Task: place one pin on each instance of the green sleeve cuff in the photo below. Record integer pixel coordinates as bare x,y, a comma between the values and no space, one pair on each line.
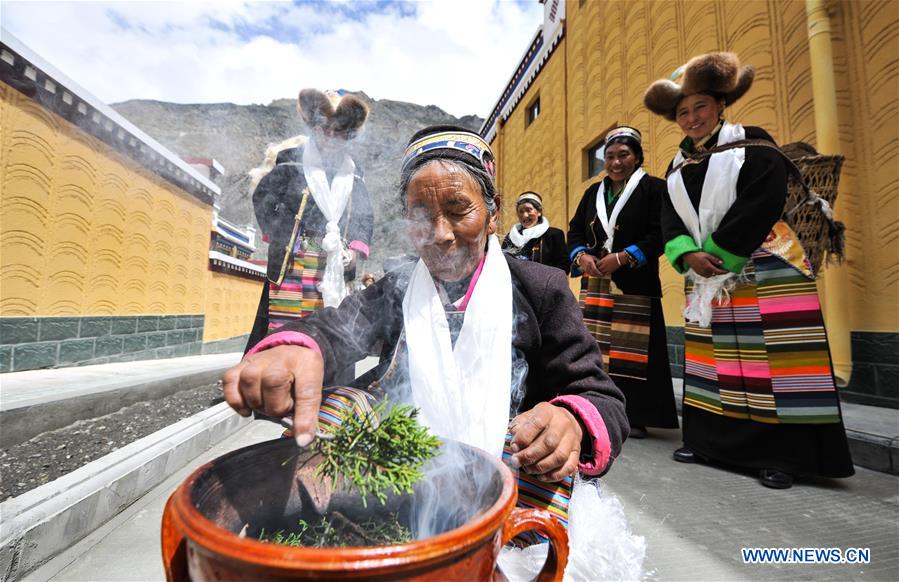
677,248
733,263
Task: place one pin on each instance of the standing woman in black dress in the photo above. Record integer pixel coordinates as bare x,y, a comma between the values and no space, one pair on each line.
533,239
614,242
759,391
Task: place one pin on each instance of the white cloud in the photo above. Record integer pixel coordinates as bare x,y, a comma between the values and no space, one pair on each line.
456,54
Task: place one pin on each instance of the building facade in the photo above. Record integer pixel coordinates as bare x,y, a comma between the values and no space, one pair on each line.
110,249
586,71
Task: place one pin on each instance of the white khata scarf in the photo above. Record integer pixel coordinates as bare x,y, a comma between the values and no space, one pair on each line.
719,191
609,222
463,391
520,236
331,199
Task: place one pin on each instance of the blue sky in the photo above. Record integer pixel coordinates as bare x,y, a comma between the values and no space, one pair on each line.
456,54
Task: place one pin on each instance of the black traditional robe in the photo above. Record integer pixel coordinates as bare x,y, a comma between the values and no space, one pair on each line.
560,355
549,249
796,449
650,402
276,202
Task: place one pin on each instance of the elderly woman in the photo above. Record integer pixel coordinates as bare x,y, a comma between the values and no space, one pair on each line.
614,239
759,391
473,336
533,239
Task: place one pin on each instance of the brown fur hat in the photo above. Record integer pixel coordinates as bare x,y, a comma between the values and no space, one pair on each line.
342,114
715,73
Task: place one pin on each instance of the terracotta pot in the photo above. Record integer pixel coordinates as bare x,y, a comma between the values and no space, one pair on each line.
257,485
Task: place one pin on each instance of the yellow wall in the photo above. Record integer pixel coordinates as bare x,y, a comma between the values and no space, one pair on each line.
230,305
613,50
86,232
538,166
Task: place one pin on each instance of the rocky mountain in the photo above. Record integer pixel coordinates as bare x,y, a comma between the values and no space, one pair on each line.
237,136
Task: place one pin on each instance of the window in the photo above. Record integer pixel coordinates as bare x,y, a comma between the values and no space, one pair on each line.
596,159
594,154
533,111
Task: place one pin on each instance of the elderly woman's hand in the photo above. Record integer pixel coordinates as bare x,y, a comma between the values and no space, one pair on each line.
704,264
546,442
277,381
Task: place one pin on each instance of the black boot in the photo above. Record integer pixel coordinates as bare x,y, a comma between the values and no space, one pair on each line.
775,479
685,455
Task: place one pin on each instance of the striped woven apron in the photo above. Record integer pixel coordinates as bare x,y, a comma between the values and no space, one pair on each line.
765,357
297,296
620,324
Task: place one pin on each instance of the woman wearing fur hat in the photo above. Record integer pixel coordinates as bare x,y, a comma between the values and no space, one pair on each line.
533,239
759,391
312,204
614,240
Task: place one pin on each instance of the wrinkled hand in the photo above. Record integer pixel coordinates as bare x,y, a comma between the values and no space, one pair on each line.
609,264
546,442
276,381
588,264
704,264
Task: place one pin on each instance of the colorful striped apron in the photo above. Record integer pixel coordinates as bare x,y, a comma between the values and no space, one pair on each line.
297,296
765,357
620,324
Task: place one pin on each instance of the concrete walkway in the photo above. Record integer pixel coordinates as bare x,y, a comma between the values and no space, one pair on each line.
695,519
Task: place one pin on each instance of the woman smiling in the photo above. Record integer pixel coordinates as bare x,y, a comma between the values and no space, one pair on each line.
533,239
759,391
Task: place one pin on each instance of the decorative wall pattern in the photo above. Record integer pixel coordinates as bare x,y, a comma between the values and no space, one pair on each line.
86,231
231,303
613,50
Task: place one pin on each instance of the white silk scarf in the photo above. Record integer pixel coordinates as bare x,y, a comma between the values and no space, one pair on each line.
332,200
719,191
520,236
463,391
609,222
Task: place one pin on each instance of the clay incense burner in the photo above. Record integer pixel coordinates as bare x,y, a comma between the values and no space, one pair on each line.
468,512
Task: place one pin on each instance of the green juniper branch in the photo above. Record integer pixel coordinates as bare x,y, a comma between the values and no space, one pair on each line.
383,450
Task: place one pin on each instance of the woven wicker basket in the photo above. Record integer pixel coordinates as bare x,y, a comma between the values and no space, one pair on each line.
804,215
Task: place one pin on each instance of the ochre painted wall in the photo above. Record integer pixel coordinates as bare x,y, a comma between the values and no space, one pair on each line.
84,232
87,232
613,50
231,303
537,166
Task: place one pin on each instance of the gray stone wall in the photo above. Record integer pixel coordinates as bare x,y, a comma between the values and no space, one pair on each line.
676,350
28,343
875,369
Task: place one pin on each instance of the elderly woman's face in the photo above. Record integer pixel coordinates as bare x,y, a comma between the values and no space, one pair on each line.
448,220
528,215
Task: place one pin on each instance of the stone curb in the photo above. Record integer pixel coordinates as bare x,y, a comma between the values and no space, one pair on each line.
45,521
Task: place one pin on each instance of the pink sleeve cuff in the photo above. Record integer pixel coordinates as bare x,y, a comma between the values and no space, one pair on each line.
593,422
285,338
359,247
